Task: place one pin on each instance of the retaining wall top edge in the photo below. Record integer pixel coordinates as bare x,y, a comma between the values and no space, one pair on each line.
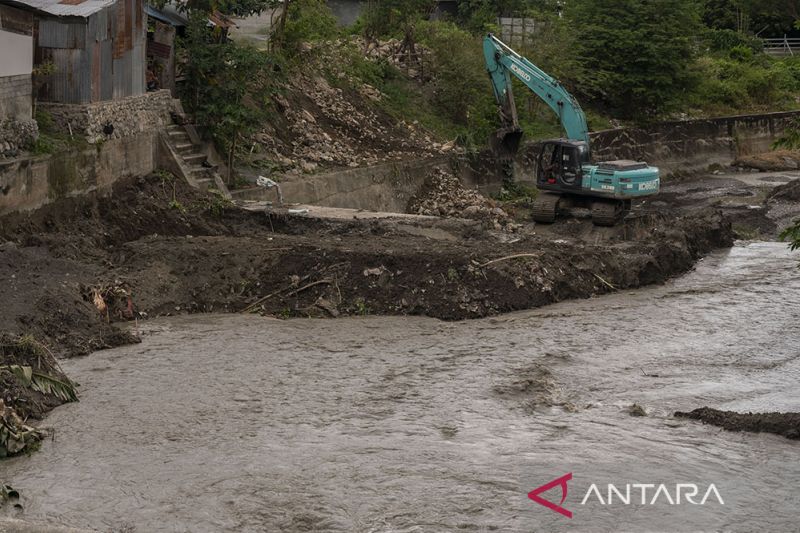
726,118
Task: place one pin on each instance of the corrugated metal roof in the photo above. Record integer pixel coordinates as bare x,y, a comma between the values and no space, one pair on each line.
63,8
168,15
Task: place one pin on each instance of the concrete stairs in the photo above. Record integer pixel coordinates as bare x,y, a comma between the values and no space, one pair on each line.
186,155
191,158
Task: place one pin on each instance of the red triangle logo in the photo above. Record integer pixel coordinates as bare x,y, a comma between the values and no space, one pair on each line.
562,482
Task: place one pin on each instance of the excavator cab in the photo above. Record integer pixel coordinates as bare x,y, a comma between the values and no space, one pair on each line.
560,163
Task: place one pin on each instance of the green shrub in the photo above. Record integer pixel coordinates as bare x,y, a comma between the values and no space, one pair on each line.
461,88
308,21
44,144
45,121
790,138
724,40
741,53
724,85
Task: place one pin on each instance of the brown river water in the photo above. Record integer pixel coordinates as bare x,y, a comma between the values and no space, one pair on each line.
241,423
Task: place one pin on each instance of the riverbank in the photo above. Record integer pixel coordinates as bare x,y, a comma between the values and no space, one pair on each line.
79,271
240,423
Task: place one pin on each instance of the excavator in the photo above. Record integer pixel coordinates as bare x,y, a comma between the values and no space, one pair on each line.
565,175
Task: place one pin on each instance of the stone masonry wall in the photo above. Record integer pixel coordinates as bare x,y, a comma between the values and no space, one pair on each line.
17,127
16,135
124,117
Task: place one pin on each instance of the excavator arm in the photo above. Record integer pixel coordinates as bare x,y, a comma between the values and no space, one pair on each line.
501,63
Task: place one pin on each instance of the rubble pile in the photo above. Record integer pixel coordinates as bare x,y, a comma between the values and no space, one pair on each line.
328,127
777,160
443,195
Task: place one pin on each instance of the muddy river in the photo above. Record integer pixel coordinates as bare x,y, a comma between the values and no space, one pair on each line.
242,423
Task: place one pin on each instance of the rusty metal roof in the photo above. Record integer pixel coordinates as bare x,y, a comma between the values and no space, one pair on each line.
218,19
63,8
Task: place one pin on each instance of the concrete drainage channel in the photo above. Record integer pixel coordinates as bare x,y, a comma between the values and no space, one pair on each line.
386,187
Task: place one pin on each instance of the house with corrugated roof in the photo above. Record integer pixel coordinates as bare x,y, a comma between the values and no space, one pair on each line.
96,47
89,66
83,66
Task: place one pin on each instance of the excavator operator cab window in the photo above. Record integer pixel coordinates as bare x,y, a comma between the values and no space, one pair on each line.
559,164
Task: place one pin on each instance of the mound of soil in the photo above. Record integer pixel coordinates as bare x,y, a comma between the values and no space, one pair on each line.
785,424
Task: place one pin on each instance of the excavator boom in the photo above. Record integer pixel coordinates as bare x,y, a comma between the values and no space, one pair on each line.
502,62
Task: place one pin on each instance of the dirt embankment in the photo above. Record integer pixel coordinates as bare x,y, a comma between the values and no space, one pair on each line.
73,271
785,424
186,259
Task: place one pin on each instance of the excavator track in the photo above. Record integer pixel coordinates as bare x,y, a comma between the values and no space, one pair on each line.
545,207
606,212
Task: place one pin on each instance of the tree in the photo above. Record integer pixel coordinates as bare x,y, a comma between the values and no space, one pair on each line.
387,17
768,18
237,8
634,54
303,21
227,85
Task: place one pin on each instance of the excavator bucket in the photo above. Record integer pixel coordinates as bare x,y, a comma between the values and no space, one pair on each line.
505,141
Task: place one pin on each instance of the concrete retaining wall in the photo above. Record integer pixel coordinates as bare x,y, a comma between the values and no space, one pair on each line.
683,145
384,187
29,183
695,143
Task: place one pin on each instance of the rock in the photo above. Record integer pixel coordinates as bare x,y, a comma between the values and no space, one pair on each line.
306,166
309,117
636,410
327,306
790,163
374,271
471,211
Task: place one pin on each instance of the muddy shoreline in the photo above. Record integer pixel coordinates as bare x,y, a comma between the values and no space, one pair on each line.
155,247
175,260
784,424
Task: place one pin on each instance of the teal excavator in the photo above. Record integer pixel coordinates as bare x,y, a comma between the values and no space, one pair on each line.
565,175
